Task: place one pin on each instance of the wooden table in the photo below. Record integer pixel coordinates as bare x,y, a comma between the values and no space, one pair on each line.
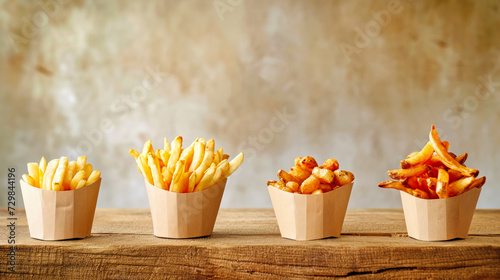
246,243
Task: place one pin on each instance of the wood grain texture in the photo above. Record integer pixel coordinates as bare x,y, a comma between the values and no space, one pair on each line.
246,243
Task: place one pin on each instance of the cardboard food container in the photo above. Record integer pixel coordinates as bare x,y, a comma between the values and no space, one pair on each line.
59,215
184,215
439,219
310,216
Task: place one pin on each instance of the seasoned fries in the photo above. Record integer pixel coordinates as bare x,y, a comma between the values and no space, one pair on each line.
306,177
61,175
446,158
195,168
399,186
400,174
434,172
419,157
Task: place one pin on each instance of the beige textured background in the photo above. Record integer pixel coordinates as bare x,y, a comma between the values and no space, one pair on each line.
274,79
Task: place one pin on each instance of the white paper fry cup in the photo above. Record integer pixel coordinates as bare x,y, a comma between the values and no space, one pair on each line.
184,215
59,215
310,216
439,219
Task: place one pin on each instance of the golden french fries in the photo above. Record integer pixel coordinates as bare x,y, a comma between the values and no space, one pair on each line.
235,163
57,182
220,155
49,174
43,164
207,178
195,168
76,179
306,177
28,179
81,184
81,161
61,174
187,156
142,163
147,148
192,181
135,154
94,176
154,166
88,170
33,172
224,167
207,161
175,153
198,156
434,172
176,179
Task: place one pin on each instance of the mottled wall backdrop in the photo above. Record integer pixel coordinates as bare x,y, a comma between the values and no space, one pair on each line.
361,81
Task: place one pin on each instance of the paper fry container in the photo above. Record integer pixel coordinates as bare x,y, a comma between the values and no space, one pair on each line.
439,219
58,215
184,215
310,216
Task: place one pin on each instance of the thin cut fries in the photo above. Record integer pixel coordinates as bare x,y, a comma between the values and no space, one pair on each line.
195,168
434,172
61,175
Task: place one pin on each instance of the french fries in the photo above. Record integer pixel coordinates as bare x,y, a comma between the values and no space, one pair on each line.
399,186
410,172
154,165
57,182
33,172
434,172
446,158
195,168
442,183
306,177
49,174
419,157
61,174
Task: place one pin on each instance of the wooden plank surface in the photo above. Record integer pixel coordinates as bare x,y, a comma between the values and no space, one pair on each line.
246,243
